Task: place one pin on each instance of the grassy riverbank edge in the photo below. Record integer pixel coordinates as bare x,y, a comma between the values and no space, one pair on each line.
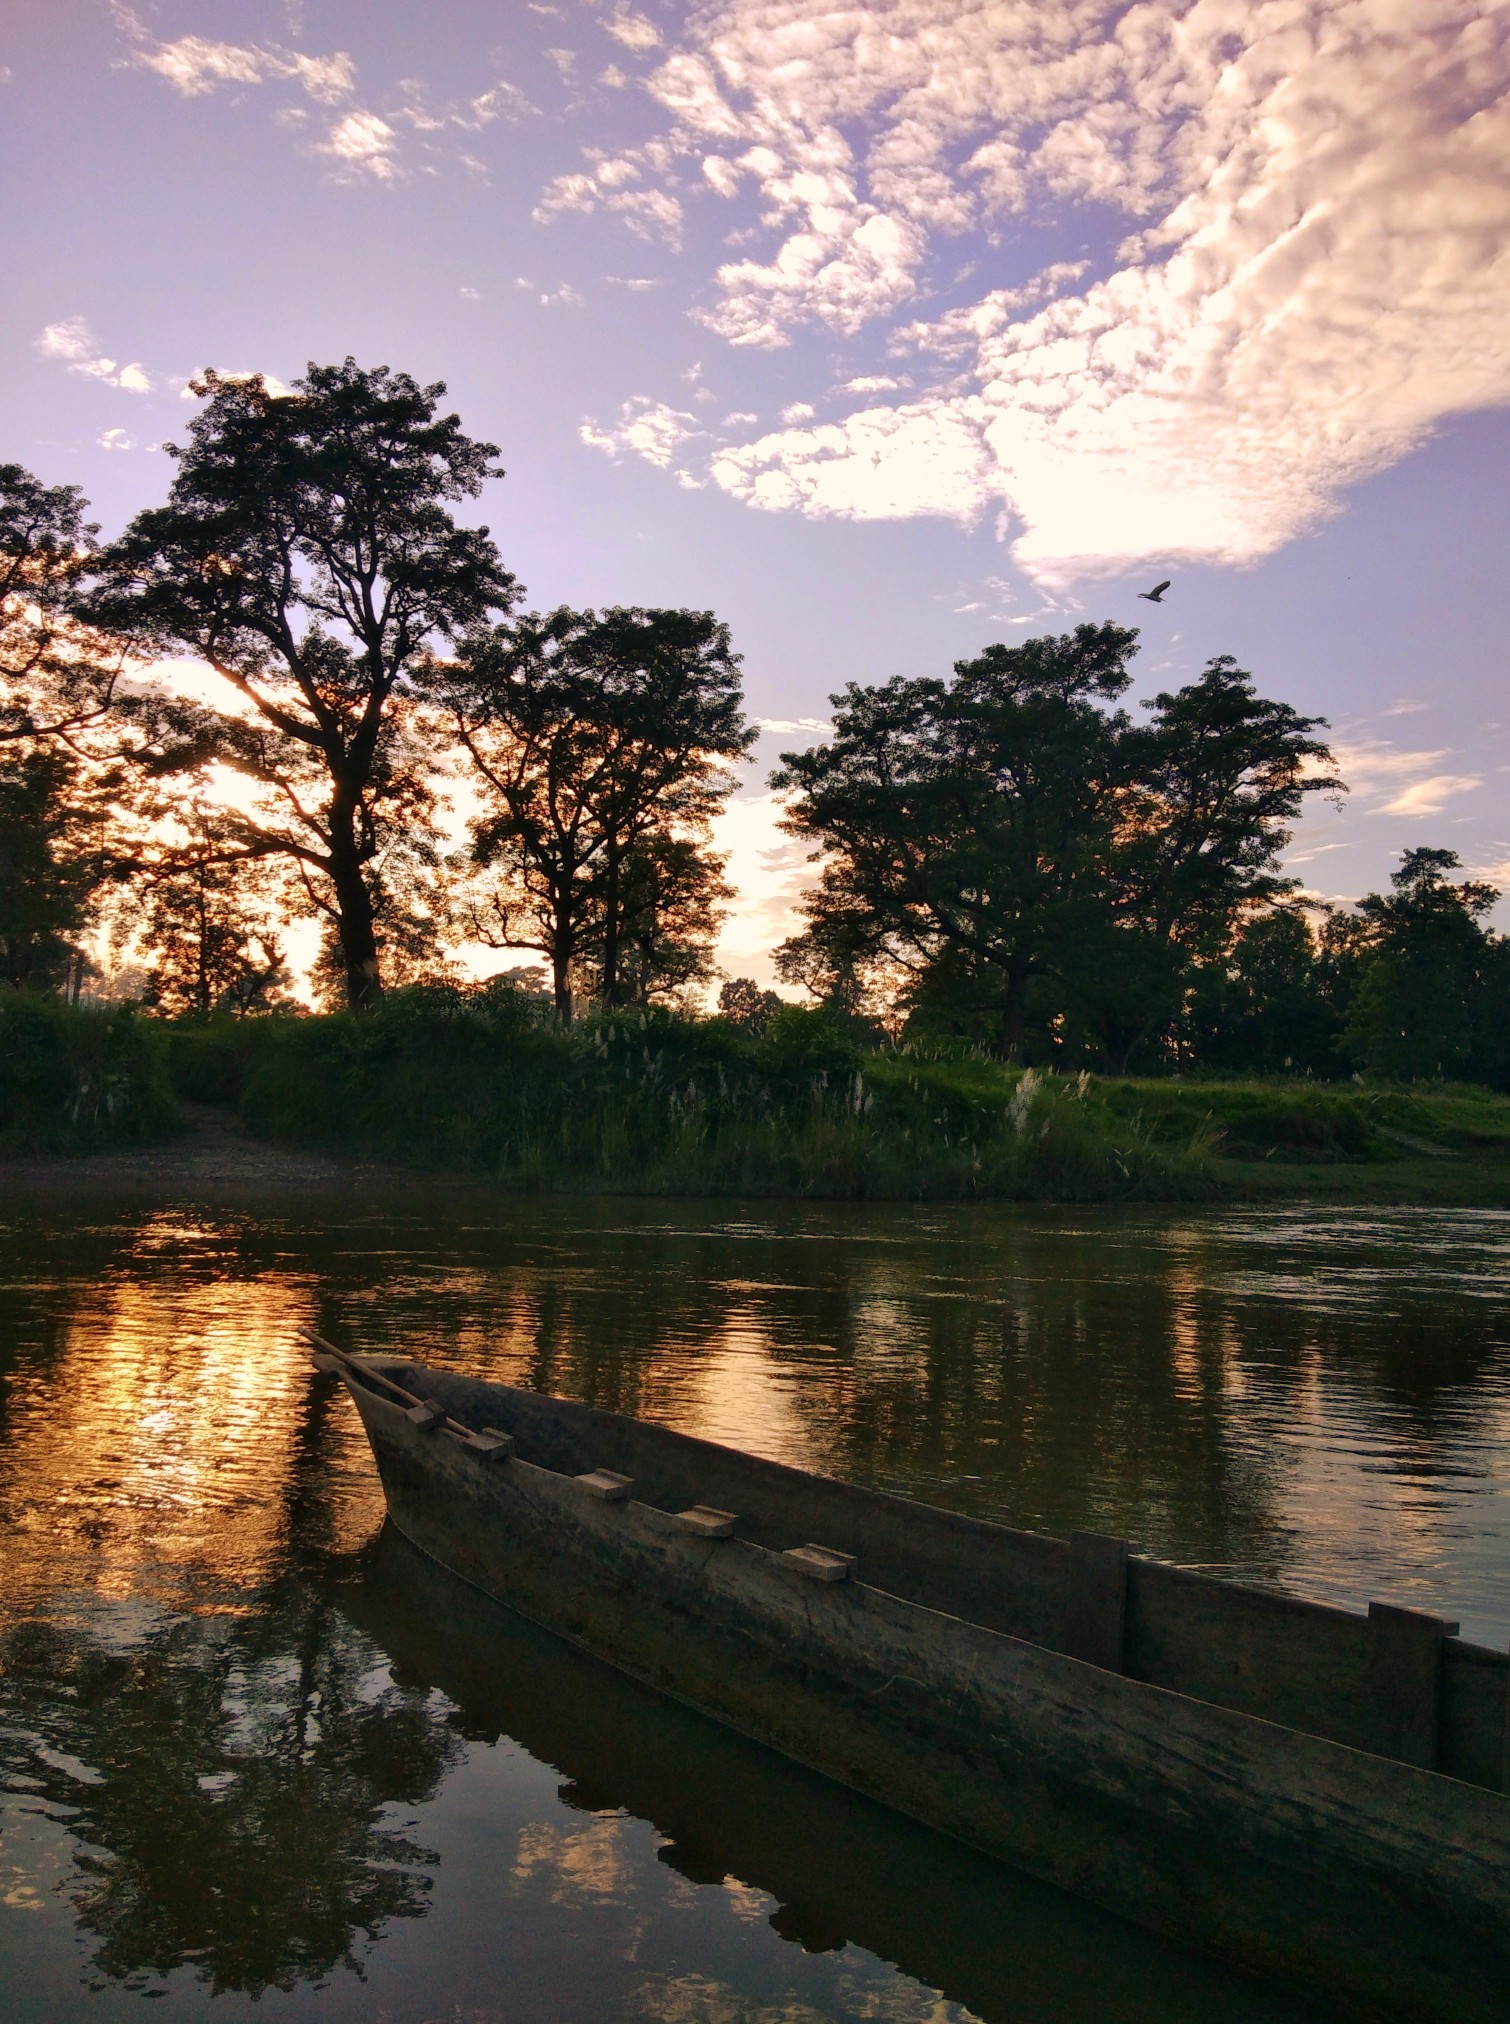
652,1105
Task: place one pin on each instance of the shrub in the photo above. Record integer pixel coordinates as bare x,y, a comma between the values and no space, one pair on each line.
74,1077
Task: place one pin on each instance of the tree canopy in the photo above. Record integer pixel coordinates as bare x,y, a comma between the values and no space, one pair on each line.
1013,840
308,553
600,741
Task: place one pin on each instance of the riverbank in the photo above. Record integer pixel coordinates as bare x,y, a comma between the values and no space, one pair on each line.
215,1159
481,1090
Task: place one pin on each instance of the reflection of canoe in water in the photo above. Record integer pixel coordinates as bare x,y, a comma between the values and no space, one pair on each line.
839,1869
1314,1796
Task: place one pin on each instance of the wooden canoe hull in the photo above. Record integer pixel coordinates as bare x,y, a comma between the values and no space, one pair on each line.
1340,1873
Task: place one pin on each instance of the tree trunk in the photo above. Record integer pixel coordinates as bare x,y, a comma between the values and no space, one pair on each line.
561,981
609,985
1014,1011
355,926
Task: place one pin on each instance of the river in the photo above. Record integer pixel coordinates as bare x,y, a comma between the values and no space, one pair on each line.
251,1748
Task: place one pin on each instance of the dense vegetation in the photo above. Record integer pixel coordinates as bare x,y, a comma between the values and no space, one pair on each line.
76,1077
484,1082
1025,893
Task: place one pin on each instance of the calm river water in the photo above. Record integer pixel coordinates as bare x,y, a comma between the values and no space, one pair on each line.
250,1749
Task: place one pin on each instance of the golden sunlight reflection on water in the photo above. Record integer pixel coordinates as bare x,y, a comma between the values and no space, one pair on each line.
246,1752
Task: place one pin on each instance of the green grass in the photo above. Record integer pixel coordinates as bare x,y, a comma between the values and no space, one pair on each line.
477,1083
652,1104
76,1078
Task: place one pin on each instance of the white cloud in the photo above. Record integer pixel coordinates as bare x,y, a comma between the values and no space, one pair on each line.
649,214
649,428
1387,781
880,464
1316,270
116,439
73,344
1431,795
721,175
194,66
575,192
633,30
362,144
873,383
799,411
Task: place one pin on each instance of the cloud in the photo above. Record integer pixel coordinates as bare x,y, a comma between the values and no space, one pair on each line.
1315,270
648,428
116,439
880,464
72,343
362,143
1391,782
649,214
1431,795
195,66
633,30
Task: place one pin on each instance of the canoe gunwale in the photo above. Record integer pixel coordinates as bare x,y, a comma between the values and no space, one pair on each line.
1263,1844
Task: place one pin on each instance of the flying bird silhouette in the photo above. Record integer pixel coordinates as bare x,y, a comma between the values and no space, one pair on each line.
1156,595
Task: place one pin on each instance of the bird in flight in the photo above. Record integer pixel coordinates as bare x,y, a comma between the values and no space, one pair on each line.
1156,595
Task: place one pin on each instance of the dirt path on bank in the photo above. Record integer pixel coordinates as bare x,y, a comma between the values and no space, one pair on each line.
212,1159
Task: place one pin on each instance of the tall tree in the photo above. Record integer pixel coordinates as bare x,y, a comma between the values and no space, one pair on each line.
57,674
1425,1005
1033,857
53,862
308,554
971,819
209,929
598,740
1214,782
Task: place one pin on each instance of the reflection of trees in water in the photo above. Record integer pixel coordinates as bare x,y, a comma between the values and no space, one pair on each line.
227,1781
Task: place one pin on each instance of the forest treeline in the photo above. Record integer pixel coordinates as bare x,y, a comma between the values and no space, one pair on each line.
1007,861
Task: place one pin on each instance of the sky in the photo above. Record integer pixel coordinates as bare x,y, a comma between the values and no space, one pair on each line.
885,331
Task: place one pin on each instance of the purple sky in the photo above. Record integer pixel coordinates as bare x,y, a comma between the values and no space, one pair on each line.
883,330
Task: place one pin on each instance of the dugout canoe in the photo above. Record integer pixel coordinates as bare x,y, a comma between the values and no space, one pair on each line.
1315,1796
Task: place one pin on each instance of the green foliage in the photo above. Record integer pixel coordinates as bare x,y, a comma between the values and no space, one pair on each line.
1427,1002
1048,873
74,1077
309,554
484,1082
50,865
596,739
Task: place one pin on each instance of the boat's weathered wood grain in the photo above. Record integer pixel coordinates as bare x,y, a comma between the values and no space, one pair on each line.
1386,1886
1095,1616
1301,1664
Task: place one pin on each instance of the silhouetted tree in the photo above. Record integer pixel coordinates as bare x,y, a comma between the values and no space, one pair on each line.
743,1003
209,932
671,894
1048,873
57,674
599,743
1423,1005
972,817
53,863
308,553
1268,1005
